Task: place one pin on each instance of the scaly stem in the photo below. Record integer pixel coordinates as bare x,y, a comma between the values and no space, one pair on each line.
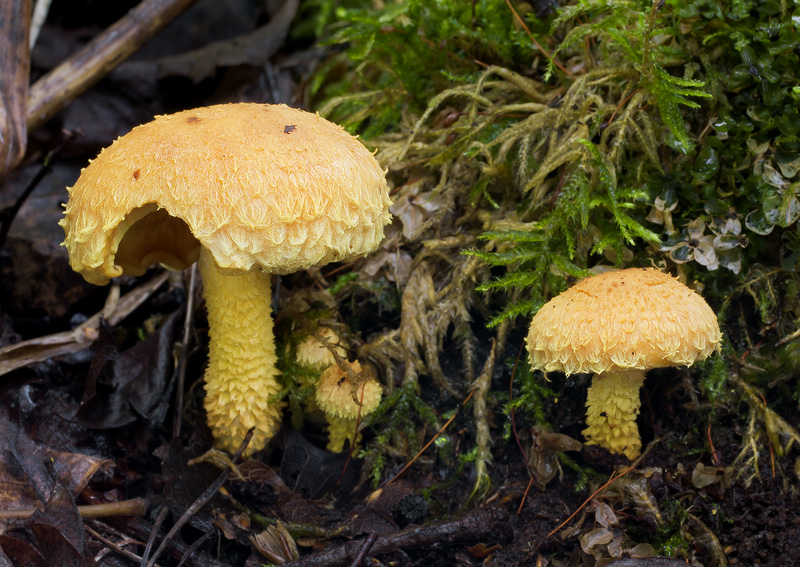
612,404
241,376
341,429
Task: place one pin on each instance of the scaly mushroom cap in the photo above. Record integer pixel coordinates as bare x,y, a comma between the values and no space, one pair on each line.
311,353
335,392
627,319
257,185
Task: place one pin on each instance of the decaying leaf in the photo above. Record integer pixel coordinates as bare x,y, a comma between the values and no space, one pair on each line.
311,471
276,544
26,479
55,530
593,542
25,353
543,457
132,384
391,259
605,516
703,476
414,206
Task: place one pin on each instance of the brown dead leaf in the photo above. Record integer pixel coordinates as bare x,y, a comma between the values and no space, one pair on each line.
25,353
75,470
253,48
268,492
414,207
482,551
25,481
543,457
59,531
704,475
594,542
55,529
391,259
313,472
276,544
133,384
605,515
19,552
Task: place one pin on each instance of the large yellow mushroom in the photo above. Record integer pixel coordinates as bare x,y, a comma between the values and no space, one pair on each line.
617,325
249,189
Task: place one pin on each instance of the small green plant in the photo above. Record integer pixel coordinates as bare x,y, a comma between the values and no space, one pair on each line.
526,149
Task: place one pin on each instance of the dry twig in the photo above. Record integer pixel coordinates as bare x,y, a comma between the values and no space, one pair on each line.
60,86
133,507
15,63
473,525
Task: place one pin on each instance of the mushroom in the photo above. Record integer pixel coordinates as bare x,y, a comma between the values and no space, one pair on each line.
248,189
313,354
344,394
617,325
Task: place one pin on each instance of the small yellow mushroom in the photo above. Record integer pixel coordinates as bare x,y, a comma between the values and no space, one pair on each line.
617,325
313,354
344,395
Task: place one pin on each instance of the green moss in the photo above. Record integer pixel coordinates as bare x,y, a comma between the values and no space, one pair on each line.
531,401
610,134
675,546
670,539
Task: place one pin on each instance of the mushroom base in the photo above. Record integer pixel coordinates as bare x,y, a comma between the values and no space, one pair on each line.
341,429
241,376
612,404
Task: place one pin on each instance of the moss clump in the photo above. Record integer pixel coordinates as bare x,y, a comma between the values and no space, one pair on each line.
527,148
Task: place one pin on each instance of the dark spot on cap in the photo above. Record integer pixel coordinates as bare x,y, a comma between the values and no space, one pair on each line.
136,175
289,128
192,120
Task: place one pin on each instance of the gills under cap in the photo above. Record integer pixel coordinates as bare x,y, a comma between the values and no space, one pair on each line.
257,185
627,319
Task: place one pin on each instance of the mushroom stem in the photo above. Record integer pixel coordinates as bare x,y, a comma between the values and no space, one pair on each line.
612,404
341,429
241,375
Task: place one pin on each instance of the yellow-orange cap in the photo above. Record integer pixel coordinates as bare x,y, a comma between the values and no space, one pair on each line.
311,353
634,318
336,391
257,185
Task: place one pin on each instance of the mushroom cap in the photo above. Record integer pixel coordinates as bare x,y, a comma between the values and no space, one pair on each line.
627,319
257,185
335,393
311,353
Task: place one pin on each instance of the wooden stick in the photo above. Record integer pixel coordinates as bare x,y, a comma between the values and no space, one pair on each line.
133,507
61,85
473,525
15,61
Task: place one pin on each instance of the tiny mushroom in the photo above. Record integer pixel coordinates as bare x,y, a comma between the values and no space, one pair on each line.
617,325
249,190
312,353
344,394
